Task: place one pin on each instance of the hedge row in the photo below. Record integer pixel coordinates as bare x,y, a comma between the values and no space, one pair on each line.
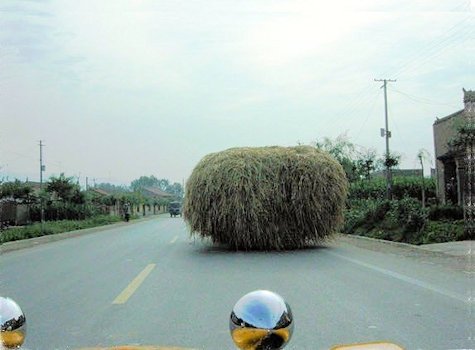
405,221
53,227
402,187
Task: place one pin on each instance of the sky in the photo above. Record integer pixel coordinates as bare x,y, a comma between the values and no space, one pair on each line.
119,89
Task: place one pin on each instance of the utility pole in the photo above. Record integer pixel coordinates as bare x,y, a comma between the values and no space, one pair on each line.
87,183
387,133
42,168
422,180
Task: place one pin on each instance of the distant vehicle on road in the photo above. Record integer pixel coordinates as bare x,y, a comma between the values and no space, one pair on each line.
174,208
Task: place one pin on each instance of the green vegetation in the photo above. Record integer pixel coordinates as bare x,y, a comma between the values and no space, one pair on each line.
53,227
444,231
403,219
358,163
67,207
17,190
151,181
266,198
402,187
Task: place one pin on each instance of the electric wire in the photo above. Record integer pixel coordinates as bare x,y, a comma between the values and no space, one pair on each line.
422,99
435,48
450,33
370,112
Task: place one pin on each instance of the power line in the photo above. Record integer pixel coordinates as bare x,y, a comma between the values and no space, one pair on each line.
436,54
352,104
434,48
451,33
368,115
422,99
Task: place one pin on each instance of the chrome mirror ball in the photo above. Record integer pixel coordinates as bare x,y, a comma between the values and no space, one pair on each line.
261,320
12,324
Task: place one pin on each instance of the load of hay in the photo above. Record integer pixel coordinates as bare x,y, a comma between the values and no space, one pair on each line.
266,198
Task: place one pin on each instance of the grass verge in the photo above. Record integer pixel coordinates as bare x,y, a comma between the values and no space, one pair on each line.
54,227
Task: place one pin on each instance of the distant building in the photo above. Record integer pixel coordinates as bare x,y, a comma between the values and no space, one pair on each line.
99,191
398,173
450,160
155,193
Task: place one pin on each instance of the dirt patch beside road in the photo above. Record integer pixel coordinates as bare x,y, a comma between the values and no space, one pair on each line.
443,254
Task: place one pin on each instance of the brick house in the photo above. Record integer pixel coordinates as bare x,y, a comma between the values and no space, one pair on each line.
451,160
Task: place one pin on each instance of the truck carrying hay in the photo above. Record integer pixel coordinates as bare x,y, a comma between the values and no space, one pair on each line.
266,198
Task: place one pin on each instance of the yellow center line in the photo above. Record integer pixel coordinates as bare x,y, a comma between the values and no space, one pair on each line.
174,240
134,285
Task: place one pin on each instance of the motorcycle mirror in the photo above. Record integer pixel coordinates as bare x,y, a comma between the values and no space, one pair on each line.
261,320
12,324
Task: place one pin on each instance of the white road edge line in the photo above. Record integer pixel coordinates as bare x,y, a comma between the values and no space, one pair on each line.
404,278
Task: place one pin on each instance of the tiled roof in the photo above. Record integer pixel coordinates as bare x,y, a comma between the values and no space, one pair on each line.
156,192
100,191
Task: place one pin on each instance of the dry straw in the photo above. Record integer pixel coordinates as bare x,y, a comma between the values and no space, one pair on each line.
266,198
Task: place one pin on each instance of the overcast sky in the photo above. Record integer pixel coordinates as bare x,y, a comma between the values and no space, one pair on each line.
118,89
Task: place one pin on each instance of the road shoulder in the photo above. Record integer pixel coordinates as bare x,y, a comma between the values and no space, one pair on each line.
458,256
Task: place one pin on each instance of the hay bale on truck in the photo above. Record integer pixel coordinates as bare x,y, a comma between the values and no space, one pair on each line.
266,198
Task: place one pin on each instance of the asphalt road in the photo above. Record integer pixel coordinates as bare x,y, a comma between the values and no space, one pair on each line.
149,283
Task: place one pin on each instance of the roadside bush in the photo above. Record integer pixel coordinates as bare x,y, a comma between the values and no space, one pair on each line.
365,214
409,214
54,227
372,189
446,212
57,210
402,187
354,218
397,220
411,187
394,235
444,231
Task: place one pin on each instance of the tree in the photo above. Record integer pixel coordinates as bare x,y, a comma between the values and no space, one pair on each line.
145,181
65,190
423,155
16,190
393,161
176,189
357,162
343,151
465,134
367,163
164,184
